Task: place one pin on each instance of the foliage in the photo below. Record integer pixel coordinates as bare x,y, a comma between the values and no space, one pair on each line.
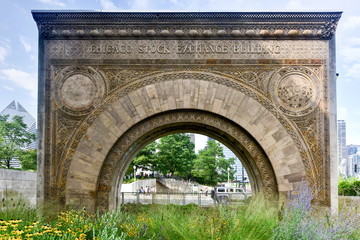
172,154
28,159
14,206
252,221
300,220
73,224
13,137
210,165
349,186
146,158
255,220
175,154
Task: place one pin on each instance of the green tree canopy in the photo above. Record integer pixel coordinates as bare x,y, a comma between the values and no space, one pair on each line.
13,137
171,154
210,165
175,155
28,160
145,159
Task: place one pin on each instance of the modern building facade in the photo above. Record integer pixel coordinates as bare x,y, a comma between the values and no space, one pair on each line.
239,169
342,149
354,160
16,109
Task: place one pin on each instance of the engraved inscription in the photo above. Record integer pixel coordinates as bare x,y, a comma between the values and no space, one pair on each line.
107,48
184,49
78,91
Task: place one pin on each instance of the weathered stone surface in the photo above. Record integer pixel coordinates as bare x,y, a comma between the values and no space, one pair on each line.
261,87
15,184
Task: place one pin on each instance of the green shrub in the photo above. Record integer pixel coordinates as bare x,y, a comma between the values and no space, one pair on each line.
349,186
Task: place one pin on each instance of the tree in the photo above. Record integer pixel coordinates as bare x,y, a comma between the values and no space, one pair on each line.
210,165
144,159
13,137
28,160
175,155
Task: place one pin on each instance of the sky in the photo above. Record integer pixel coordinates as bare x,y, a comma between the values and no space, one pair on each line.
19,42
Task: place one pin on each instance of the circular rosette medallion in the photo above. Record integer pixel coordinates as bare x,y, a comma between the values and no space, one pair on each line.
295,93
79,90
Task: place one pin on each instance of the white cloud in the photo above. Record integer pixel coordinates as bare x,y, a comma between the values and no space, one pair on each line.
22,79
294,5
25,43
200,142
351,22
4,49
353,71
9,88
53,2
349,53
142,4
355,41
342,113
108,5
3,53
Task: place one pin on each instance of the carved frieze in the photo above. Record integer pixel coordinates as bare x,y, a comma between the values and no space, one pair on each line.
186,49
200,25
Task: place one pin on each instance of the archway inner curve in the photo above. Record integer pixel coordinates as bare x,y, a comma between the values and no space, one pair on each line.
253,157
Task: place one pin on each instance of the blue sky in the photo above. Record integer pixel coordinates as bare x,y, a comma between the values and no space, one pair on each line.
18,42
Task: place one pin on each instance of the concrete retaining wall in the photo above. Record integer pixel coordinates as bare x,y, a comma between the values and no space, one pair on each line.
15,183
134,187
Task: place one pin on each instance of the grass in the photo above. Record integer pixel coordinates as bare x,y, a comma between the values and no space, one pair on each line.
298,219
253,221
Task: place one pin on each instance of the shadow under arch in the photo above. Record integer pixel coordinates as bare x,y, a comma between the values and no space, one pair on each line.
237,139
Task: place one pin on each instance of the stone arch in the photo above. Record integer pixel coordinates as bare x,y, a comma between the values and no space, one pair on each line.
244,146
88,162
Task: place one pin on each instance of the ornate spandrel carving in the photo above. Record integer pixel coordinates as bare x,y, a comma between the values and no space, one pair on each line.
310,128
118,76
255,81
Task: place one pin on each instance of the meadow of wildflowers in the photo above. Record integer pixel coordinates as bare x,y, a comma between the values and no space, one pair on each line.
297,219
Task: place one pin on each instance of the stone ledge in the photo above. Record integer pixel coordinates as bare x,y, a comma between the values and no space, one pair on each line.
186,25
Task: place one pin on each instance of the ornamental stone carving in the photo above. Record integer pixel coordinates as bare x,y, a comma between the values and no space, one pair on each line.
261,82
295,91
78,92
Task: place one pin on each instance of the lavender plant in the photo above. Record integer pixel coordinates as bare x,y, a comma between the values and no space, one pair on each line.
300,219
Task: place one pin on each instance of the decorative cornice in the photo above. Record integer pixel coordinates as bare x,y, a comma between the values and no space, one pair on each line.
186,25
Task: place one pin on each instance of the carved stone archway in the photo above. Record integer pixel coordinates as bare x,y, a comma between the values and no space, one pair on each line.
269,77
255,161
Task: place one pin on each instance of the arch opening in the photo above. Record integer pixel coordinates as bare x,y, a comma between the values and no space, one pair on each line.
238,140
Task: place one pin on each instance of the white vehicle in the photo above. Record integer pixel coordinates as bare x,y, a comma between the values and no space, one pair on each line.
230,194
